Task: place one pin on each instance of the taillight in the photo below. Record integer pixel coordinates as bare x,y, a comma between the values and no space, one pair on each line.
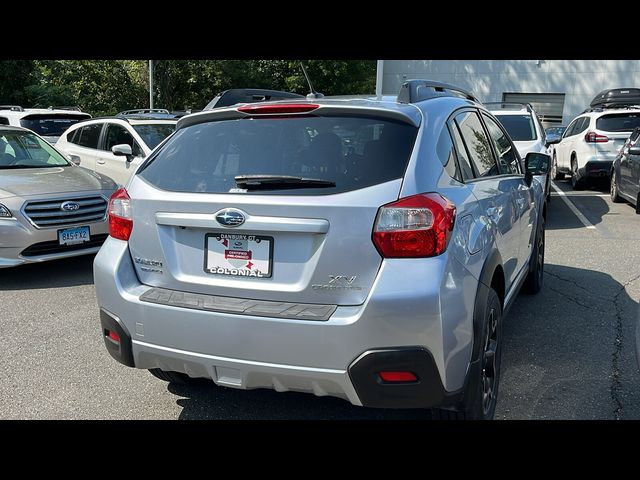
593,137
416,226
120,219
278,108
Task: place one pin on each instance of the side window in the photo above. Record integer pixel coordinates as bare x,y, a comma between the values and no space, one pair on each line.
463,155
569,131
90,135
507,156
477,144
447,155
4,121
582,125
72,137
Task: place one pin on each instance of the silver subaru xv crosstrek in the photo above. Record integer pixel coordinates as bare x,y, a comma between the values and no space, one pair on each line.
354,248
49,207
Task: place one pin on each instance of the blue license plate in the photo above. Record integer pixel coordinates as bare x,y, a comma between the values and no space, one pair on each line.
72,236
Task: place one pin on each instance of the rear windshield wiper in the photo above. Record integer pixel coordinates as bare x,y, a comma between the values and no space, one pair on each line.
276,182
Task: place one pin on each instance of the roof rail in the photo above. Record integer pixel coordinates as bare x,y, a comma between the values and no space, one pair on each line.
613,107
13,108
528,106
413,91
139,111
75,109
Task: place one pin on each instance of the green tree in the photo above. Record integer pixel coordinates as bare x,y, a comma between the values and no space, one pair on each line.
15,75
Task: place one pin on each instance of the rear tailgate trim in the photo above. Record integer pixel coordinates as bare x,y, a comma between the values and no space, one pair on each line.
239,306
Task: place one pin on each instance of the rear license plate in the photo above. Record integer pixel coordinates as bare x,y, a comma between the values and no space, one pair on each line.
73,236
238,255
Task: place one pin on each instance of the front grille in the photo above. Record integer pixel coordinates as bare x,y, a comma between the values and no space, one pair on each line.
47,213
47,248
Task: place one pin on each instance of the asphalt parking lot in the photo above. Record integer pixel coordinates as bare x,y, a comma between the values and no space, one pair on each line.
568,352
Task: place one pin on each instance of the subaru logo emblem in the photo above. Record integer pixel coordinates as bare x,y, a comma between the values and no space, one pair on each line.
69,206
230,217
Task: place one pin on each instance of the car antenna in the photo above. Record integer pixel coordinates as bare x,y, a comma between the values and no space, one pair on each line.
312,95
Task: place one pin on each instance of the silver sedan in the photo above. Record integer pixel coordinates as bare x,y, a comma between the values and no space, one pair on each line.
49,207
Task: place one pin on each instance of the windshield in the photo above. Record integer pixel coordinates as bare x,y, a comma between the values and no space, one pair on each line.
557,131
306,155
26,150
51,125
519,127
619,122
153,134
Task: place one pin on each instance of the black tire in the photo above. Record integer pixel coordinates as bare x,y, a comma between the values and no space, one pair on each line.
613,189
555,174
577,184
174,377
533,282
481,392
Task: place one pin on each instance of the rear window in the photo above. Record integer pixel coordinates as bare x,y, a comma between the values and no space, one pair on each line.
618,122
519,127
51,125
89,135
353,152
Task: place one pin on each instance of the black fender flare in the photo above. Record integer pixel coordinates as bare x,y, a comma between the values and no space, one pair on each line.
493,261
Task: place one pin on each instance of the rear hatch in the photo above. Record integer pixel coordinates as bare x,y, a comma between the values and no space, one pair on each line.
270,207
617,127
51,125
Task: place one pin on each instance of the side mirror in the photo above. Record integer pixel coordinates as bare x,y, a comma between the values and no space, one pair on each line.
122,150
74,159
536,164
635,150
553,141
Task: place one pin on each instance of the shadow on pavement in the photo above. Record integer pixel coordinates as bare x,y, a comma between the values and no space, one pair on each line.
68,272
569,352
206,401
560,216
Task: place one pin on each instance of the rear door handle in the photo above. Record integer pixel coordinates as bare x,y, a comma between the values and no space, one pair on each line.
100,162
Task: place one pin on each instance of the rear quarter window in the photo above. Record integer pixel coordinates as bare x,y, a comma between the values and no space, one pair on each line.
354,152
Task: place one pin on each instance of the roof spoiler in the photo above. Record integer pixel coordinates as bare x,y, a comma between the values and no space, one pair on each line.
413,91
248,95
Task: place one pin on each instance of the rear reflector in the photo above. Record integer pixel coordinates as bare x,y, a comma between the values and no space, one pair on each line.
278,109
113,336
398,377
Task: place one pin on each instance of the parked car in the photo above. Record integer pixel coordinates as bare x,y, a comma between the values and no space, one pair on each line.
115,146
625,172
555,133
49,123
524,127
255,249
49,208
593,139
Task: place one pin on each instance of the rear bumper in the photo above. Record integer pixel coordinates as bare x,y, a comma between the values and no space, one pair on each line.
596,169
320,357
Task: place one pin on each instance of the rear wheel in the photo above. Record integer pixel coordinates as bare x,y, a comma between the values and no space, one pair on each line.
533,282
174,377
482,385
555,174
615,195
576,183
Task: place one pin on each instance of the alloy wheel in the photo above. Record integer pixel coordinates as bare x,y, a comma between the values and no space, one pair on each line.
490,363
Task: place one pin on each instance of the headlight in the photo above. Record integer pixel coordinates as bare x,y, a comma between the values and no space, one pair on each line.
4,212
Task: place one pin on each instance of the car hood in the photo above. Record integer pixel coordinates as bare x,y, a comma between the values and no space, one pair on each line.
38,181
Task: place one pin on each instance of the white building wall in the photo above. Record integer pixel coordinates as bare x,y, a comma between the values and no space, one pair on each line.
579,80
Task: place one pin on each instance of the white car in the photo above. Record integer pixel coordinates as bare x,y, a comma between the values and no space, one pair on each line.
49,123
115,146
591,143
524,127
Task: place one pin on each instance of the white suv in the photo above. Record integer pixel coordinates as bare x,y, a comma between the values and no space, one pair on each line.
49,123
591,143
524,127
115,146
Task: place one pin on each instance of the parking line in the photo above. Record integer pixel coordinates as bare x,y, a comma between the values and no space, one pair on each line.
573,208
